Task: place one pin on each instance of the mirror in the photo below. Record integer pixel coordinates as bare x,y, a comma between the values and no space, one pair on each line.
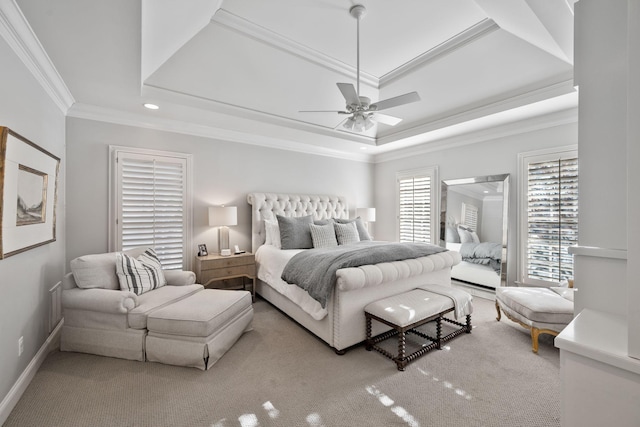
473,221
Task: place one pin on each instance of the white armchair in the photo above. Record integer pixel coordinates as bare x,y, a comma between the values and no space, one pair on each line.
99,318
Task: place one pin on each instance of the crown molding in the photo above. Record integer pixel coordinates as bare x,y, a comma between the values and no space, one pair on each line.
19,35
487,108
109,115
275,40
558,118
471,34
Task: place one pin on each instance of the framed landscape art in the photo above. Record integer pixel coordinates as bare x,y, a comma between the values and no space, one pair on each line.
28,194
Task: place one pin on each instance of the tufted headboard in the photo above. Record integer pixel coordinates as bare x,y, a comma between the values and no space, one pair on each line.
268,205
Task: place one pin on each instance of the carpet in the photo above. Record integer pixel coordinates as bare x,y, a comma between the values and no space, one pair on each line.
281,375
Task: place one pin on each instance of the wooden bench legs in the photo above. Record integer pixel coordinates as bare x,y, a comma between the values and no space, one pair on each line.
402,359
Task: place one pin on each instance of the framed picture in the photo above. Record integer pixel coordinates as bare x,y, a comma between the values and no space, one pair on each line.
202,250
28,194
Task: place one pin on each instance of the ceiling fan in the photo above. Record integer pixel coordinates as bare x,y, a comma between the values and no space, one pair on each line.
363,114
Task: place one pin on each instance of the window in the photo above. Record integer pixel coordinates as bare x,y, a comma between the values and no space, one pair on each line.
151,204
470,216
548,216
416,207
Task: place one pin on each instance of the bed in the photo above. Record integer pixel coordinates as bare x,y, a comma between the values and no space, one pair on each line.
477,269
341,322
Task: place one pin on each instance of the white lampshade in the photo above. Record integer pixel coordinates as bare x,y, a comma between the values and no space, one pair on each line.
367,214
223,215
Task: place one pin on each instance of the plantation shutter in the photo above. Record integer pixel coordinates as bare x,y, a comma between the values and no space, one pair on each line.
415,209
552,216
152,204
470,216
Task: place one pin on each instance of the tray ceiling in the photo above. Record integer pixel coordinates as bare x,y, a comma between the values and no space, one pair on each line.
250,66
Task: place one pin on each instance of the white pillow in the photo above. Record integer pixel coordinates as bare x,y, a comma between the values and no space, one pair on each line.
272,230
323,236
346,233
465,236
139,275
474,237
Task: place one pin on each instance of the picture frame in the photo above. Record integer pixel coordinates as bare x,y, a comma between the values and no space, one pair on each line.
202,250
28,194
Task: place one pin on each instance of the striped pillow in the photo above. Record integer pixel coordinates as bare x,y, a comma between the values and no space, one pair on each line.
139,275
323,236
347,233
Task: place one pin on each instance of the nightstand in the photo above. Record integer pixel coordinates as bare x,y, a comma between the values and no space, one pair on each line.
213,268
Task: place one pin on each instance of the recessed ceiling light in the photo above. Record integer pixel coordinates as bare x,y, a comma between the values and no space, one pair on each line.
486,191
151,106
363,148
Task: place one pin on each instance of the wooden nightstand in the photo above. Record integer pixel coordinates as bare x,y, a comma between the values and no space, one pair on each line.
212,268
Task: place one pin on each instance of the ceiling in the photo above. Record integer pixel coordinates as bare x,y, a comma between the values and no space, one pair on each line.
241,70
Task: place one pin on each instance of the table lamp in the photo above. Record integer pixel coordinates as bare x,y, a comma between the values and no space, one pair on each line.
222,217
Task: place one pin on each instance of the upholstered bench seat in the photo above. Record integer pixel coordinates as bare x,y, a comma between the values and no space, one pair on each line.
407,311
541,310
198,330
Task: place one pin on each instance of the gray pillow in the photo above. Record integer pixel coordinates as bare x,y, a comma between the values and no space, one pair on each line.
346,233
323,221
295,232
451,235
323,236
362,230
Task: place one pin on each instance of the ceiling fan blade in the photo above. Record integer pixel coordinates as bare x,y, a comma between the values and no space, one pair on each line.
385,119
324,111
349,93
395,101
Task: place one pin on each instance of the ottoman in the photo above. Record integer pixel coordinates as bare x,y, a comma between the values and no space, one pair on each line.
404,313
198,330
541,310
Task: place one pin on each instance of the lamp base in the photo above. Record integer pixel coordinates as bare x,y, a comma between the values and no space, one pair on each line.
223,241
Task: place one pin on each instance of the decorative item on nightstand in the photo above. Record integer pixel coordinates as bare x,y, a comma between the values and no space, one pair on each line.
222,217
367,215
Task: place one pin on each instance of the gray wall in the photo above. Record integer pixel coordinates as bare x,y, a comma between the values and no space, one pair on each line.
224,172
492,157
25,279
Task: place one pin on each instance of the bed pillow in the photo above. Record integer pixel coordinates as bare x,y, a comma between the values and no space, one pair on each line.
363,234
474,237
346,233
323,236
451,235
323,221
272,231
465,235
141,274
295,232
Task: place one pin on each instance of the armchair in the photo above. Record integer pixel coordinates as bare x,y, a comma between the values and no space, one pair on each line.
101,319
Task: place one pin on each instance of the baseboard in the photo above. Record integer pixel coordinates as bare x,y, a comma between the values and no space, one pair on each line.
11,399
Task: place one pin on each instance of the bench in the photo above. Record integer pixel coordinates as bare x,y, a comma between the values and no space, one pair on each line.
404,313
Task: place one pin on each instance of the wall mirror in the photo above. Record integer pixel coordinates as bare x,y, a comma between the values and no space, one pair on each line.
473,221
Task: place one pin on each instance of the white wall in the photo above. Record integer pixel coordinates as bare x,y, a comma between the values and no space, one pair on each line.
224,172
492,157
25,279
491,230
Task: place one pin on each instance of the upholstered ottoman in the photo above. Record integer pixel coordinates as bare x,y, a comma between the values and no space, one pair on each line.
404,313
541,310
198,330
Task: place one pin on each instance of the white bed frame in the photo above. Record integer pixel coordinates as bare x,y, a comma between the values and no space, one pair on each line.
344,325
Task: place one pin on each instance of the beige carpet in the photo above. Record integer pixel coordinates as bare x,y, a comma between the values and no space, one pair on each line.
280,375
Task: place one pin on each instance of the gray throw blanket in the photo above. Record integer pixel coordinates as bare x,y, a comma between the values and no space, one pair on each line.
314,270
485,253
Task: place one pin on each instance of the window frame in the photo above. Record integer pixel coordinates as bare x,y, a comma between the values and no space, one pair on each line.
115,195
434,195
569,151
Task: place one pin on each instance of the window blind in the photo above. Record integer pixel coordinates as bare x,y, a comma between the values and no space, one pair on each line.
552,218
152,206
415,209
470,216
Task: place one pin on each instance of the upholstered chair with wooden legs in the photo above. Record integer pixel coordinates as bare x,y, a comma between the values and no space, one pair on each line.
541,310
